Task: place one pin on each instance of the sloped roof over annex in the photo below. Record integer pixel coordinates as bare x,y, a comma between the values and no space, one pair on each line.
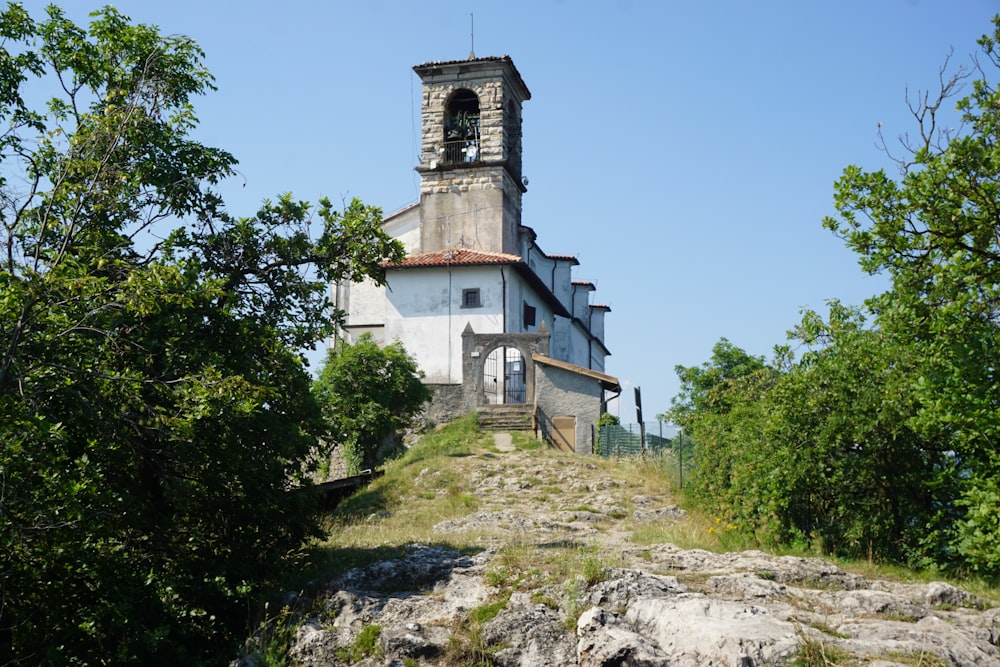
609,382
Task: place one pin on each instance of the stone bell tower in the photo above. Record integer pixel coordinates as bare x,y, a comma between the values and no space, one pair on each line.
470,161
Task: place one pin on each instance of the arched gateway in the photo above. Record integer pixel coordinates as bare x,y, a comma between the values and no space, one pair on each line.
501,366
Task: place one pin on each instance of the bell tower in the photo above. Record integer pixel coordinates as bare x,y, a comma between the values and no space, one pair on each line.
470,161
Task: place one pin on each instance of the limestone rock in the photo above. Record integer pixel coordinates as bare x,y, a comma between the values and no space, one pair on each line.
530,634
645,605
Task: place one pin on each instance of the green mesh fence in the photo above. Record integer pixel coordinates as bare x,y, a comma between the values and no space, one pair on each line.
622,440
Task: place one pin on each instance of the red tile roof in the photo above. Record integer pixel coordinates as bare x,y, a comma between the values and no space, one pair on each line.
453,257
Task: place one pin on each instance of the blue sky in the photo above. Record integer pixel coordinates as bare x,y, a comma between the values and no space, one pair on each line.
685,152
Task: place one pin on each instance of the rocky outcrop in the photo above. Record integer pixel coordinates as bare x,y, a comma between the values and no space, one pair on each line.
622,604
749,609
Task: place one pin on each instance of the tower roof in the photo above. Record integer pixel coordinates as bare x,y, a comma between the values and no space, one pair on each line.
452,68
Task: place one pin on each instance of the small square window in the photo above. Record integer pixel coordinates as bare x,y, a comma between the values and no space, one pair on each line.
529,315
470,298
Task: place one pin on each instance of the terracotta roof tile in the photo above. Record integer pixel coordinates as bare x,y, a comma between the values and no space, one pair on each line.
453,257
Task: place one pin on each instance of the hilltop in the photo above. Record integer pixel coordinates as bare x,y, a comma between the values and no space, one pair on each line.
482,549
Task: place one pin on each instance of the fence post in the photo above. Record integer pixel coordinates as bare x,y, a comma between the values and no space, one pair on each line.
680,458
642,428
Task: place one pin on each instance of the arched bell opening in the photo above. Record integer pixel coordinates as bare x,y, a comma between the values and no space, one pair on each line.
461,128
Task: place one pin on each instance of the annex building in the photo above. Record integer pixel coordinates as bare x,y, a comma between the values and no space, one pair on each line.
493,321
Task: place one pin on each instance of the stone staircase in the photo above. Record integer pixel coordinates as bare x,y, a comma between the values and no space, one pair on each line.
511,417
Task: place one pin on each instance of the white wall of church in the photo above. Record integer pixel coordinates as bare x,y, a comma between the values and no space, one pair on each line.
404,226
362,302
424,310
521,295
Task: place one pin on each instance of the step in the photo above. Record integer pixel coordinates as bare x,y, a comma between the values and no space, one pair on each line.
517,417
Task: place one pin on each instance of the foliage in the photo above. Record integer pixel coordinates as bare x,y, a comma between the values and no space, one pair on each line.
879,441
154,411
820,452
719,408
934,232
703,388
273,638
606,419
368,393
860,481
816,653
365,644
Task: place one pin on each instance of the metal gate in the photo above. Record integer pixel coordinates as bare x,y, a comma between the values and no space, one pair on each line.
507,385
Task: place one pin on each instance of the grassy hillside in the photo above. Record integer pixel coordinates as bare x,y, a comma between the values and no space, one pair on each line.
556,522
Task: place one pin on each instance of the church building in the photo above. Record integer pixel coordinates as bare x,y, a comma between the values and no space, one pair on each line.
491,318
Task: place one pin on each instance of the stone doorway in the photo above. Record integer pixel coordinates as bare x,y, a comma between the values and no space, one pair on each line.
504,377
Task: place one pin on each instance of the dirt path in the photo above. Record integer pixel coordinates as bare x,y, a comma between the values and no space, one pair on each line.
561,498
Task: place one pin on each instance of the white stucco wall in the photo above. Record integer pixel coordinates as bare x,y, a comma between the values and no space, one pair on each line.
562,287
579,352
404,226
520,293
559,343
423,310
362,302
597,358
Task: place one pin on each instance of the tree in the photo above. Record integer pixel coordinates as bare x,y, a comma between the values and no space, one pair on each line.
880,440
934,231
703,387
856,479
719,409
154,410
819,452
368,394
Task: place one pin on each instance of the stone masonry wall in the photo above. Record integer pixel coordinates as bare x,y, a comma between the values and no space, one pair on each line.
448,403
491,97
562,393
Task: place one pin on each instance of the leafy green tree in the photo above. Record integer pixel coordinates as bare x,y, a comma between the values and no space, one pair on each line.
880,440
719,409
934,231
154,410
856,479
703,387
820,452
368,394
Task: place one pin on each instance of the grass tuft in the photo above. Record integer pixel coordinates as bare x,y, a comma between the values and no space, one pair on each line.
365,645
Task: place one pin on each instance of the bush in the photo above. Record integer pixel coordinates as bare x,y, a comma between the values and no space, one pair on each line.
368,393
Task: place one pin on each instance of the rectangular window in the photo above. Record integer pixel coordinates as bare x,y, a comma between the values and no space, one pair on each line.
470,298
529,315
